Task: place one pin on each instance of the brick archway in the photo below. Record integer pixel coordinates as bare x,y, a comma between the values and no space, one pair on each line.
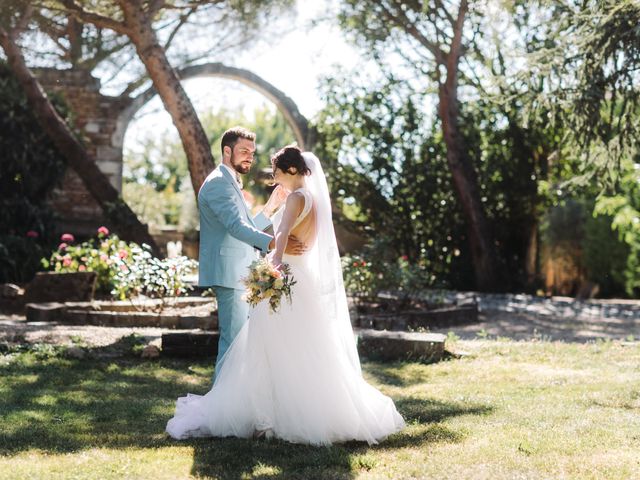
298,123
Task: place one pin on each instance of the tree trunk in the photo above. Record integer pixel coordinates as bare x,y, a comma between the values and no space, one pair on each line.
483,252
122,219
167,84
483,249
532,255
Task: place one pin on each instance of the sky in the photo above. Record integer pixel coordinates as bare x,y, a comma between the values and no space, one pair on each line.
294,65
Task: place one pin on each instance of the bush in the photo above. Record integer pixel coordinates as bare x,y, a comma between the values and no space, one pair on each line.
20,257
30,166
144,274
366,277
124,269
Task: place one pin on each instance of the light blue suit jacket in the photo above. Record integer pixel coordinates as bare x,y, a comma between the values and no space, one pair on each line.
229,235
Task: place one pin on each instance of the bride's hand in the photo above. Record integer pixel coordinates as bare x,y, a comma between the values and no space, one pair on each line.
273,260
277,198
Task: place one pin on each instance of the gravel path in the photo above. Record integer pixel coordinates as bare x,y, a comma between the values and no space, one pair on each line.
528,326
537,322
15,329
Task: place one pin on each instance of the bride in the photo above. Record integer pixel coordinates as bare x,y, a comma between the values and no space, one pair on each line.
295,374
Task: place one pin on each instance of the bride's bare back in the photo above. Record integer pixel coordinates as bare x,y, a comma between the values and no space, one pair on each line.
305,231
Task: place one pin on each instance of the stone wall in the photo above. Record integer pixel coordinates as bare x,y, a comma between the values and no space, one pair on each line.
95,116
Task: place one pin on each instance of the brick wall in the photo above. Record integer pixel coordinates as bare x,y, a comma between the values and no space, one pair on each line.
95,116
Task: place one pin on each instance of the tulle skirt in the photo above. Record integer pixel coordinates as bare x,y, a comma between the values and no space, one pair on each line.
288,373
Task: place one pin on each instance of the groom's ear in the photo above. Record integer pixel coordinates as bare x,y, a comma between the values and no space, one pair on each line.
226,151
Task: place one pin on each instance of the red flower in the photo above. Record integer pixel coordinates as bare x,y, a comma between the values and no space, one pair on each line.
123,254
363,263
32,234
66,260
67,237
82,268
103,231
355,264
62,246
404,257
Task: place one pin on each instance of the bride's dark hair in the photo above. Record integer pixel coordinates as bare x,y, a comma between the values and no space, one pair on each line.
289,158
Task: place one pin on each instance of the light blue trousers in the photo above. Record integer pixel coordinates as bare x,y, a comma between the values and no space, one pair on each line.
233,312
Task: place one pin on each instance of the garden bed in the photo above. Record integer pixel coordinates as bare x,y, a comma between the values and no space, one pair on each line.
180,312
406,314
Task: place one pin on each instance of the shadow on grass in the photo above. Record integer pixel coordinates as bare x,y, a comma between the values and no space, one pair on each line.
432,411
237,458
398,374
57,405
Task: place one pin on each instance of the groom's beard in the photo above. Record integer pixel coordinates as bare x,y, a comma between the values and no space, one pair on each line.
240,167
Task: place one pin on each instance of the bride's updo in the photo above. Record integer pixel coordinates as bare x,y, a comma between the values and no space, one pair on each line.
289,159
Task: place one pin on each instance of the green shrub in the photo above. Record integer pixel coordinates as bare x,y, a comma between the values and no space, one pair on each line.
144,274
365,275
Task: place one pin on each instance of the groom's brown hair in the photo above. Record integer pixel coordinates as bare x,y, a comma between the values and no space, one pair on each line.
231,136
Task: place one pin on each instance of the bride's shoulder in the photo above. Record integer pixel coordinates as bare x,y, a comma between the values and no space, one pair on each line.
295,201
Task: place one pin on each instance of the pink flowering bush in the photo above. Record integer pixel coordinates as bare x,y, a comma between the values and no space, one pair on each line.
124,269
95,255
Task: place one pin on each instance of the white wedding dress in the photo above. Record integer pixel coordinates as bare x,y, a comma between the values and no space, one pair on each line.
295,373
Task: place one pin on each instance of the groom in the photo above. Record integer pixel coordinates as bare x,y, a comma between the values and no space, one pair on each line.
230,234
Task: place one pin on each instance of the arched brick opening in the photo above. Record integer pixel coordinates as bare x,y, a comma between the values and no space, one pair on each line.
298,123
103,120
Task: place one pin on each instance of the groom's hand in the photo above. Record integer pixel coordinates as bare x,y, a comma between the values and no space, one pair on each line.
295,246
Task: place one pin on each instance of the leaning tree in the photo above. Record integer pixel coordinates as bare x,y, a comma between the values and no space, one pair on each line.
14,21
140,21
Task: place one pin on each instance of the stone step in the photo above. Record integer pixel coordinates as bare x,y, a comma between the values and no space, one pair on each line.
373,344
392,345
45,312
416,319
193,344
138,305
63,313
140,319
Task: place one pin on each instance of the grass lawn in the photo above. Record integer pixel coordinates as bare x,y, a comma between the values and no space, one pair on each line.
509,410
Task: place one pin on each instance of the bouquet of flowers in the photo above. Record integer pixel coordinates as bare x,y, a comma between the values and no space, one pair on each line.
266,282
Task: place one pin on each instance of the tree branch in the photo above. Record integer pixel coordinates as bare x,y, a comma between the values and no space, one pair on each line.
183,19
102,55
24,19
410,27
456,42
98,20
154,7
441,8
